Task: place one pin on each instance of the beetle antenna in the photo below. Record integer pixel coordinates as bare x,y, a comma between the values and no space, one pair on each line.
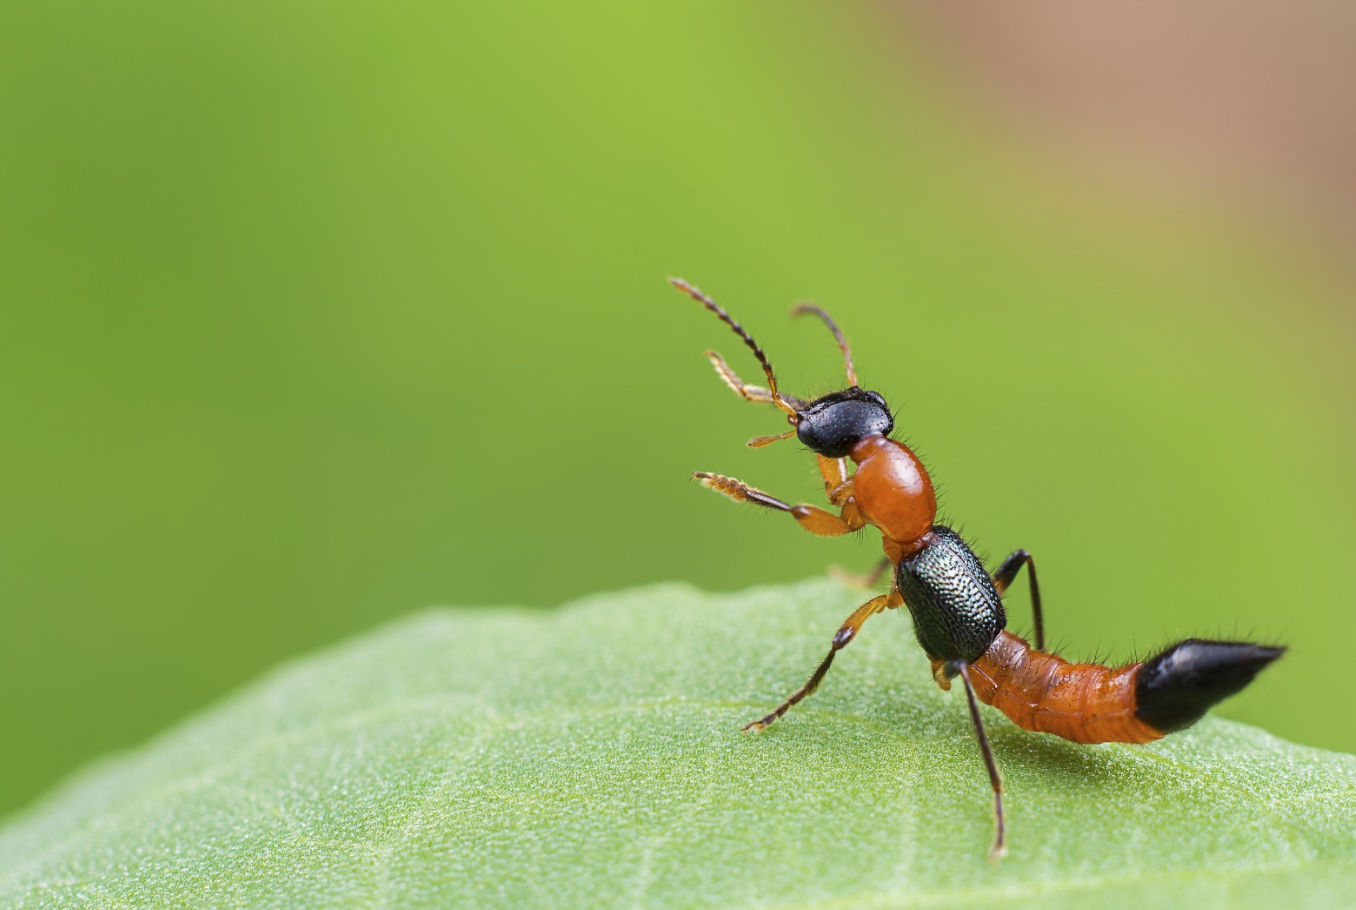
696,294
804,308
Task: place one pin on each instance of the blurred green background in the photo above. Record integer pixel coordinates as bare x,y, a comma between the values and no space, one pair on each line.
318,314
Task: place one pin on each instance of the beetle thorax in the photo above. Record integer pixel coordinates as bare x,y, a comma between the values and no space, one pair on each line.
893,488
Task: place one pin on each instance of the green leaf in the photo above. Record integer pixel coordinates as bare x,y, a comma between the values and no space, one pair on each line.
592,758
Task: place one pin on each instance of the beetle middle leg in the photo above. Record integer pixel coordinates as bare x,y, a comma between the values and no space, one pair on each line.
1004,577
861,581
811,518
846,632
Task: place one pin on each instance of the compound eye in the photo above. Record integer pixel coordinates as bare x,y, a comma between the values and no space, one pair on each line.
877,397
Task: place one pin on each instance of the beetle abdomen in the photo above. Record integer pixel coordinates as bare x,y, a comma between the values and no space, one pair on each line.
956,610
1176,688
1085,703
1090,703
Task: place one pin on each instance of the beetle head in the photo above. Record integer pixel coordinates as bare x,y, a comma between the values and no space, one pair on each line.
834,424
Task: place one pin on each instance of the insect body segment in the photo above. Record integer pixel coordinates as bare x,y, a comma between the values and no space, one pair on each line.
956,606
956,611
894,488
1176,688
1137,703
1085,703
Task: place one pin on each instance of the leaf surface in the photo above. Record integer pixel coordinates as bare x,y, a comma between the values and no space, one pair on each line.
591,757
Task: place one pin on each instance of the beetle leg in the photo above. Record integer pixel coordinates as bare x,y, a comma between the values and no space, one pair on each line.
811,518
837,484
1008,571
995,781
846,632
861,581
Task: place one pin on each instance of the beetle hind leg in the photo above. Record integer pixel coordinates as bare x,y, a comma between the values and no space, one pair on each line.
999,847
1004,576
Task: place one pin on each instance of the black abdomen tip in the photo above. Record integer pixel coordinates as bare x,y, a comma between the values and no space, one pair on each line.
1176,688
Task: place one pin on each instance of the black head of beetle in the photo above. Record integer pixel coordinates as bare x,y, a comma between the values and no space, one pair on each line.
832,425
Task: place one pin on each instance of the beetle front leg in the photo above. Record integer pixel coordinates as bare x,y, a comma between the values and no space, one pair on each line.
811,518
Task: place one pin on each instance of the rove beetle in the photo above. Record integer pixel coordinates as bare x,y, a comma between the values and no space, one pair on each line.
957,606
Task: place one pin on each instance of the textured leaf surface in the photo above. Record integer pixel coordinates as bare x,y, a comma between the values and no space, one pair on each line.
592,757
